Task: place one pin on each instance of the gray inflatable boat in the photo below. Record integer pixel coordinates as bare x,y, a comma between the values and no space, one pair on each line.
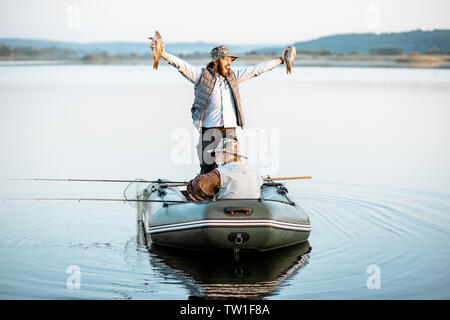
270,222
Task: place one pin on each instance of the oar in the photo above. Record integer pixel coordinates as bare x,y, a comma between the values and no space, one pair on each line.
95,199
265,179
287,178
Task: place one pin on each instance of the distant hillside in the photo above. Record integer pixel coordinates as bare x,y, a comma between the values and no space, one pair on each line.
125,48
412,41
437,41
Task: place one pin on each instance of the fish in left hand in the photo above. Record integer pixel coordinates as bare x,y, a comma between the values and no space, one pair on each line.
289,58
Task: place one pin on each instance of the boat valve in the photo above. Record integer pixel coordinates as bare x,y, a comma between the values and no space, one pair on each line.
238,237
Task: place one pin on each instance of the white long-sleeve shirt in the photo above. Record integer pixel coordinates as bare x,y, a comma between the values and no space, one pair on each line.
221,111
239,180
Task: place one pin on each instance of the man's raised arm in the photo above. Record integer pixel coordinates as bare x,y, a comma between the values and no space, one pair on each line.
243,74
188,71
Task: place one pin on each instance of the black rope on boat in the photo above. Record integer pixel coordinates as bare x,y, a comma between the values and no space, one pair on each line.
236,254
137,180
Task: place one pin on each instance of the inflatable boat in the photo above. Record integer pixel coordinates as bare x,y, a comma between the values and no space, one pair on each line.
169,218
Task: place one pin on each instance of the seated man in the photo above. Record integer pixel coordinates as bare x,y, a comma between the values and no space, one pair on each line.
233,178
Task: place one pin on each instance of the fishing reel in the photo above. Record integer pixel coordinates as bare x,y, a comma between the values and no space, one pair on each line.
282,190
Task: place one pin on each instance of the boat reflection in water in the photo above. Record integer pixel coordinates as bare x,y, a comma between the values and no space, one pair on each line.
219,275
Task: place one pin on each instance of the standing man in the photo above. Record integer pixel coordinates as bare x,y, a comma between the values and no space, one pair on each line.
217,109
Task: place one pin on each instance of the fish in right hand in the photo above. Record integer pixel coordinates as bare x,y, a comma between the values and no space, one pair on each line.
289,56
158,45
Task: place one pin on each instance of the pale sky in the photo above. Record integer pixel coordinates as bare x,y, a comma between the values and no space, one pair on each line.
229,21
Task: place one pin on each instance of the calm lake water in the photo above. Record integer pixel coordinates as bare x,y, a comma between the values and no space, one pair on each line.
375,141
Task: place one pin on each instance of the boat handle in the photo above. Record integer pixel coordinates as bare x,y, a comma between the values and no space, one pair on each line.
238,211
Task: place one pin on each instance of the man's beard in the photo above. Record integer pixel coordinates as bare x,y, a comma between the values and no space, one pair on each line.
221,70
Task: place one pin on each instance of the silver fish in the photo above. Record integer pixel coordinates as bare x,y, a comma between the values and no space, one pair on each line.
159,46
289,58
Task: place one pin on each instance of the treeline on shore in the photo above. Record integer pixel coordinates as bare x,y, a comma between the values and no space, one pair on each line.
54,53
382,51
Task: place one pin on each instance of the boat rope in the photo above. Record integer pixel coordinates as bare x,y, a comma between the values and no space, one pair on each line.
126,188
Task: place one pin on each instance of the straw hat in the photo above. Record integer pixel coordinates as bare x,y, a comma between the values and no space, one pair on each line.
221,52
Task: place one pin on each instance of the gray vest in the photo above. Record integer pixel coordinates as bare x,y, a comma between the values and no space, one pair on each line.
203,90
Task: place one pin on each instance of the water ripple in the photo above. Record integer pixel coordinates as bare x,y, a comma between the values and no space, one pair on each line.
402,215
403,232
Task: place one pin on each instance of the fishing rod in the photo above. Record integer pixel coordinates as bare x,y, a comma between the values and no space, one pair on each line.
95,199
138,180
97,180
174,184
265,179
159,181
